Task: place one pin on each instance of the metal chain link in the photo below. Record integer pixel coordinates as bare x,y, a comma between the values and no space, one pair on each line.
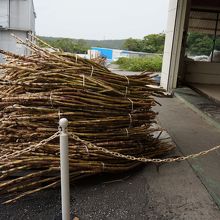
30,148
142,159
104,150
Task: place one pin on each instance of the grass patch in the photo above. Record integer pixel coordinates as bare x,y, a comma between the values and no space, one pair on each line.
149,64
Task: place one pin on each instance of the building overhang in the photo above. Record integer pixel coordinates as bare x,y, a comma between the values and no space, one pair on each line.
205,4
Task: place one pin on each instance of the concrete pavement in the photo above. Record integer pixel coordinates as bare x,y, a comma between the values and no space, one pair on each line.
193,132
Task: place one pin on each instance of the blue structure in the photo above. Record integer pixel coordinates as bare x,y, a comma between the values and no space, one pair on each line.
115,54
104,52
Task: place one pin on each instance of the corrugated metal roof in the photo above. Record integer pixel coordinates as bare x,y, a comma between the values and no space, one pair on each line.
205,3
204,22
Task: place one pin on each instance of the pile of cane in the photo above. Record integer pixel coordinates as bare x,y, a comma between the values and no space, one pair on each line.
100,60
109,110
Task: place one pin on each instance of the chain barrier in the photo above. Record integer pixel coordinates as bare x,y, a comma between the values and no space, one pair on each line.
30,148
104,150
143,159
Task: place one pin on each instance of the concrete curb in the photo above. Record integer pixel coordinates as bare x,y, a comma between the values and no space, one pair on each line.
205,116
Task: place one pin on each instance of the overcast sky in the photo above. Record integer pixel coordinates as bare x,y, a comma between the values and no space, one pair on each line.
100,19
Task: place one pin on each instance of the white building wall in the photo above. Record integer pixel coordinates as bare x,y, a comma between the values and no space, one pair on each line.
32,16
116,54
17,17
173,43
17,14
202,72
21,15
8,43
4,13
172,10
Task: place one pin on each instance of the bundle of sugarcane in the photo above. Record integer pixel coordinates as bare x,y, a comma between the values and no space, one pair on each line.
99,60
108,110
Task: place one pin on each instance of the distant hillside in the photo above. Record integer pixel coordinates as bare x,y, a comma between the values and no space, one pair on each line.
115,44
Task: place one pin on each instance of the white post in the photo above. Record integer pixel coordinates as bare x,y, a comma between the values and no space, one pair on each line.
64,169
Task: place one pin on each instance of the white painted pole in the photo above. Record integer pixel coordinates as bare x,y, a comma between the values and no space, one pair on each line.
64,169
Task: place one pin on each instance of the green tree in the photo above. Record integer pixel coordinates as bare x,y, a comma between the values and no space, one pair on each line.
217,43
68,45
153,43
133,44
199,44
